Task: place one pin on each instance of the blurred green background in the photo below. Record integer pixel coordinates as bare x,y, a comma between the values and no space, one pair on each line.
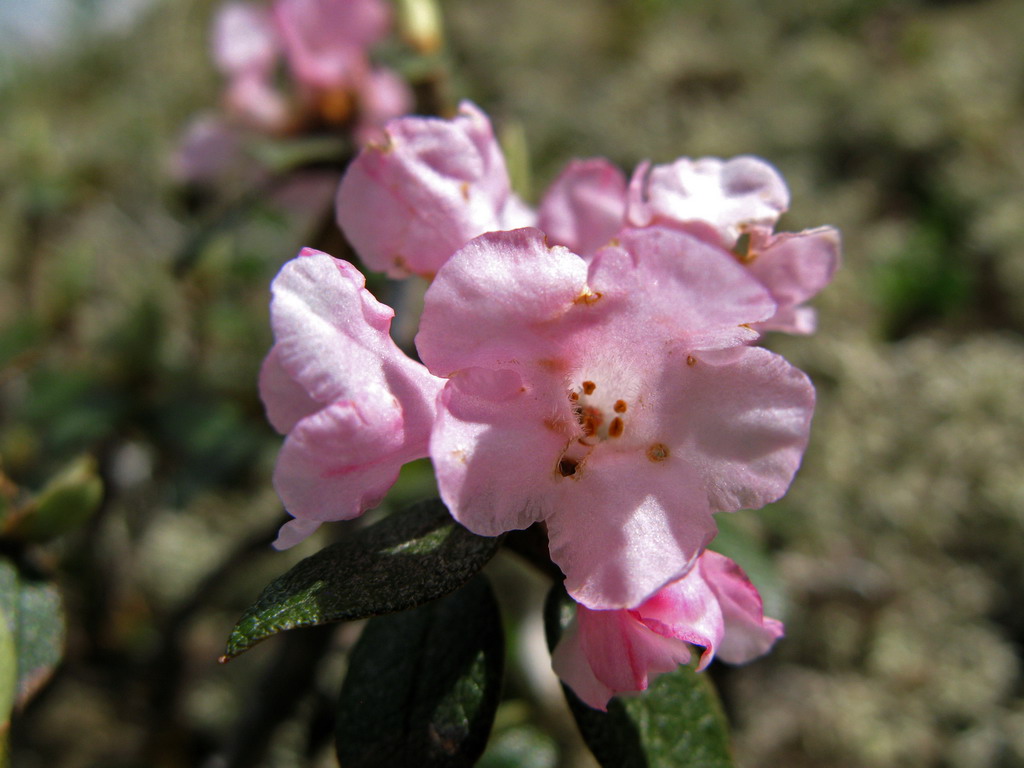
900,549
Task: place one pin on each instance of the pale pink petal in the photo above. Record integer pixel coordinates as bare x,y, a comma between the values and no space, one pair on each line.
339,461
687,609
331,334
748,632
210,149
499,300
516,214
625,528
625,654
305,194
354,406
731,195
244,40
254,100
326,41
432,185
293,532
742,421
383,95
572,666
610,652
794,267
285,401
702,293
802,321
585,206
603,653
495,460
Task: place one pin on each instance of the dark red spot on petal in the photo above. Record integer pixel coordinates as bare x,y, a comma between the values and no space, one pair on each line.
567,467
657,452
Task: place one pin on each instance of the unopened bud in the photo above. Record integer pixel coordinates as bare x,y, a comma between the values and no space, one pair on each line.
419,22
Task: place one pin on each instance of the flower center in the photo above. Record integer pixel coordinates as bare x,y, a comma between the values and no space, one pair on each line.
605,405
600,416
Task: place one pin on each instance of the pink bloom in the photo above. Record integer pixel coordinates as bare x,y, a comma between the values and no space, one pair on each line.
246,48
793,266
326,41
730,195
721,200
613,398
353,406
210,149
244,40
585,206
325,44
383,95
409,202
603,653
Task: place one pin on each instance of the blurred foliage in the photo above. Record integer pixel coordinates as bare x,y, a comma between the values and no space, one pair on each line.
900,547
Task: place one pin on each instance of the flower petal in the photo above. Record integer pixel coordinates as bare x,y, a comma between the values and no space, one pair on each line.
585,206
623,529
494,458
677,287
285,401
354,406
687,610
570,663
794,267
497,300
327,41
731,195
610,652
432,185
244,40
742,421
748,632
340,461
331,334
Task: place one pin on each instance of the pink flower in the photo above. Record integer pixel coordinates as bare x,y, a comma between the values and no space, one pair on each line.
732,196
325,45
585,206
604,653
245,40
246,48
429,186
409,202
326,41
722,200
614,398
354,407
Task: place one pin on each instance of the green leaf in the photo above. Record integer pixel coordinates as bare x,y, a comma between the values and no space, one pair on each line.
8,673
423,686
35,619
66,502
677,723
407,559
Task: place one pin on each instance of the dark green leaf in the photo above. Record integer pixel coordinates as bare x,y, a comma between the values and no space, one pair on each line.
422,686
677,723
407,559
35,619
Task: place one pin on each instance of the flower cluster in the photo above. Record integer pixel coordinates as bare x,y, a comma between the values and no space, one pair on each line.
589,366
294,66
